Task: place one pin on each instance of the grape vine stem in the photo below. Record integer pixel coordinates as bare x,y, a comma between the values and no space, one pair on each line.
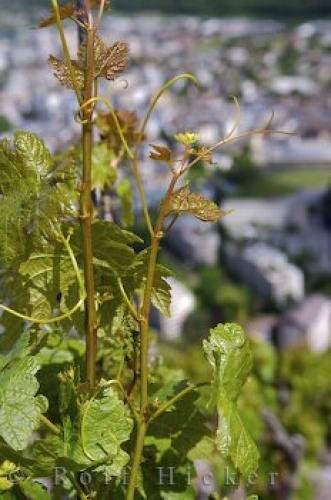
142,423
86,209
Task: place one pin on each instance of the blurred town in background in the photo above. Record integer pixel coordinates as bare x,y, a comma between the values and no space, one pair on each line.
268,264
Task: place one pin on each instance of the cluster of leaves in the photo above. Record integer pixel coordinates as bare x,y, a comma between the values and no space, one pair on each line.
183,201
37,193
90,436
91,431
128,123
109,63
293,386
309,410
181,435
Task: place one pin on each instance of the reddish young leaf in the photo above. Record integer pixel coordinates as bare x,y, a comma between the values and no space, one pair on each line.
160,153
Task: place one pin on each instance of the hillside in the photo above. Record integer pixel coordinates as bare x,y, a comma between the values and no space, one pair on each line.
290,8
267,8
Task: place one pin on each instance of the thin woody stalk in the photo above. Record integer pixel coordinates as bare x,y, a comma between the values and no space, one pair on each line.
86,213
137,456
144,340
86,206
145,311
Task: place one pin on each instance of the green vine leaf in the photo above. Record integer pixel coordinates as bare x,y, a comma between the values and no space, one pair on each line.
228,352
34,490
161,292
105,423
45,454
36,194
48,282
168,442
94,431
115,233
31,150
183,201
112,245
182,424
18,350
20,408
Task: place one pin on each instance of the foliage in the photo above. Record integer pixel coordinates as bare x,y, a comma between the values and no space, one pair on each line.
309,411
228,352
20,409
77,293
294,386
36,195
182,201
109,62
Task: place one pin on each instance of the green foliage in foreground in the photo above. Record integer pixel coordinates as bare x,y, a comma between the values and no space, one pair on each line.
294,386
229,354
21,409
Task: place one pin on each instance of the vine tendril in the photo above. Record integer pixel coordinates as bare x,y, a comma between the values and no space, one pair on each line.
81,287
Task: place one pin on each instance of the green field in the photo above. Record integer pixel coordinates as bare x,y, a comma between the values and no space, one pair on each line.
285,182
